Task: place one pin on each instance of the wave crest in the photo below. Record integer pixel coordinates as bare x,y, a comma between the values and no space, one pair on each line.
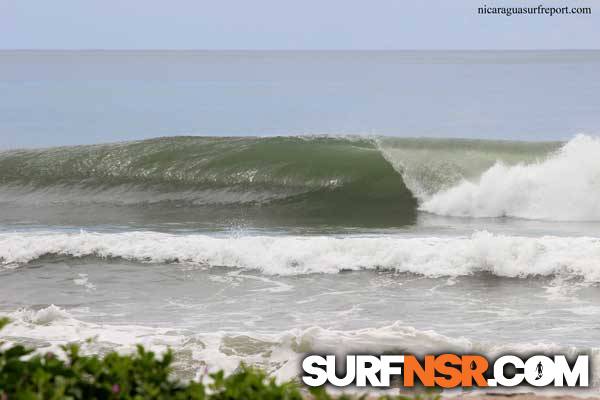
508,256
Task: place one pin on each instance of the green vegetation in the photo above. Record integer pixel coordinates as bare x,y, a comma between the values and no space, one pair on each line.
27,376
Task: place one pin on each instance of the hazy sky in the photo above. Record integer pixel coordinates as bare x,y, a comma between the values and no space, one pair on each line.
300,24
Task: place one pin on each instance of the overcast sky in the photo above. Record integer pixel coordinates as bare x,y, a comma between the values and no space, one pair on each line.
299,24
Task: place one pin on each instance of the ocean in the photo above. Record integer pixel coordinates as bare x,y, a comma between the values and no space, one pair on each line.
256,207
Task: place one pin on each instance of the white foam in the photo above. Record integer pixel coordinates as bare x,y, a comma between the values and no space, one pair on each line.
565,187
53,326
509,256
83,280
43,316
280,353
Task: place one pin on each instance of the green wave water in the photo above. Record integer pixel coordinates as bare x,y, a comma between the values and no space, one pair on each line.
303,180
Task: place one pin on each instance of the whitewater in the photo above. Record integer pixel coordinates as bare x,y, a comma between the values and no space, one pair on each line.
501,255
564,186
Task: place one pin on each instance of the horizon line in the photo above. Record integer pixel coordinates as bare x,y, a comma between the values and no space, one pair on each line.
295,50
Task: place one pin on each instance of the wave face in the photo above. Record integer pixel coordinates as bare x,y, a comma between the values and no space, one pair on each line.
500,255
325,179
350,181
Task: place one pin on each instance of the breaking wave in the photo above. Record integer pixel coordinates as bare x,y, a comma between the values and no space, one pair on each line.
353,181
500,255
564,186
295,179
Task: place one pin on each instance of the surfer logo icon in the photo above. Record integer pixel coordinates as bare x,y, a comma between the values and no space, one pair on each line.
539,369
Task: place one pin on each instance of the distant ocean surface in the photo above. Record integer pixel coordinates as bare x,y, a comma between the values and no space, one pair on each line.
87,97
304,210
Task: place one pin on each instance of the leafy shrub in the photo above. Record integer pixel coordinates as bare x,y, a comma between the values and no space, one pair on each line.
24,375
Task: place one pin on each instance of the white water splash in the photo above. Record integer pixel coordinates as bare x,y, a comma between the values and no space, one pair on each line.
563,187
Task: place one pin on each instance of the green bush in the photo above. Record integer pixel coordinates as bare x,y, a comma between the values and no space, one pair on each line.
27,376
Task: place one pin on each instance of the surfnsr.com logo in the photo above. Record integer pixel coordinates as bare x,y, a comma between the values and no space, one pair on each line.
446,371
